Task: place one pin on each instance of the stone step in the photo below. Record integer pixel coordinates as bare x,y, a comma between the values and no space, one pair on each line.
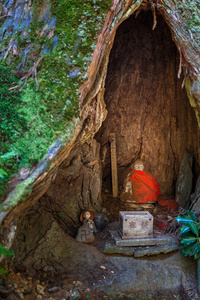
155,250
156,240
110,248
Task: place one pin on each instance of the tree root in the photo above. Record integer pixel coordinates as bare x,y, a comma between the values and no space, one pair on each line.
32,71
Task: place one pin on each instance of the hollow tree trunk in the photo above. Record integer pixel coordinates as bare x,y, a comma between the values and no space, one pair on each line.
147,108
150,113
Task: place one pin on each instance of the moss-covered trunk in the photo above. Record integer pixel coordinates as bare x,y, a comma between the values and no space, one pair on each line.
138,96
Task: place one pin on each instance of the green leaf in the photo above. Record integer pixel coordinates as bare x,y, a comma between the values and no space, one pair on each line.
2,172
197,254
4,251
2,271
9,155
184,229
194,229
189,250
188,235
192,216
184,219
188,240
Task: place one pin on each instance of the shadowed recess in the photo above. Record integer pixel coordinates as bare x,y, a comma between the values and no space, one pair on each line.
147,108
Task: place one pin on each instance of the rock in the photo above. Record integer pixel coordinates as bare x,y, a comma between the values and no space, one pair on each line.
155,250
85,234
112,249
150,278
53,289
156,240
100,221
57,251
103,267
40,289
195,197
184,180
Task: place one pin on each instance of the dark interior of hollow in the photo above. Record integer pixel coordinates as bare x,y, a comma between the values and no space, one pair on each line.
147,108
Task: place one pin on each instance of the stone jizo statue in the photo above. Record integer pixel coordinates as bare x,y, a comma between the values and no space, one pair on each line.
141,185
85,232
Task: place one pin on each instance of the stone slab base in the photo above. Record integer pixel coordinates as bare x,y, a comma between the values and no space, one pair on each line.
110,248
157,240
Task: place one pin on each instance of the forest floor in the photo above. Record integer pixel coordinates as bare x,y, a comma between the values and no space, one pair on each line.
116,275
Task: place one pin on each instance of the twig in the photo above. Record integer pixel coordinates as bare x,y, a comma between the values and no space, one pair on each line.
32,71
183,83
9,47
191,288
14,87
181,62
22,63
4,16
154,18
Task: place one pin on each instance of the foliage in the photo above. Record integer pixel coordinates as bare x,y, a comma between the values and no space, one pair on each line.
190,235
4,251
12,124
3,173
31,120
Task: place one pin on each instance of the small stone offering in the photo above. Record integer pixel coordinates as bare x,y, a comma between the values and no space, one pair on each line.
135,224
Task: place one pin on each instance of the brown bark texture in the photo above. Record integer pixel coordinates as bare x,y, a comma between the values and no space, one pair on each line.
147,108
138,97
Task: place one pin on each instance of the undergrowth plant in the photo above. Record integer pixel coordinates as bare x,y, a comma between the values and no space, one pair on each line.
4,252
30,120
190,235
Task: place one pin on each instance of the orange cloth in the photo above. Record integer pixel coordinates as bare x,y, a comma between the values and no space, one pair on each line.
170,203
145,187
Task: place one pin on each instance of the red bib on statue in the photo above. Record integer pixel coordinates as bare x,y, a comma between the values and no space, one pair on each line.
144,186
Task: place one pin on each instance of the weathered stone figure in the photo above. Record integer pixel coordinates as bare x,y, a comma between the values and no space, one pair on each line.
85,232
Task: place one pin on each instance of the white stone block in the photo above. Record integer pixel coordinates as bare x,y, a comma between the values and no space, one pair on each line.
135,224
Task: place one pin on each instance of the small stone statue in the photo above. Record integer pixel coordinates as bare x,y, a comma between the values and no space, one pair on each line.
85,232
139,166
140,186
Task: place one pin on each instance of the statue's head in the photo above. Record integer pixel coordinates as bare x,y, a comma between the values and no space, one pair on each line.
138,165
86,215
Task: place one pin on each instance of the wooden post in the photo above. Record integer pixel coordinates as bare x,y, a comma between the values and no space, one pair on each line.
114,164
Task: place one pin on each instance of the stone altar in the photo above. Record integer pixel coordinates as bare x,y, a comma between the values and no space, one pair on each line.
135,224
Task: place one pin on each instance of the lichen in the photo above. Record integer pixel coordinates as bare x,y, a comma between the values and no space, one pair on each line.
190,14
191,98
